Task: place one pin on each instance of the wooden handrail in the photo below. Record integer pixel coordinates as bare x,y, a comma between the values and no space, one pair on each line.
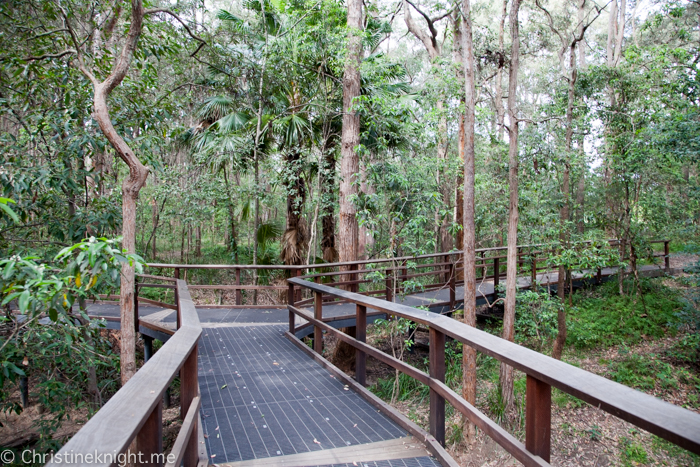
673,423
133,413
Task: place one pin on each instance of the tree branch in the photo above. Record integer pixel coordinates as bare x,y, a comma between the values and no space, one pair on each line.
201,41
48,56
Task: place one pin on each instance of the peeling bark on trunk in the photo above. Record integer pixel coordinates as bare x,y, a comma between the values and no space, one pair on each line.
469,353
506,371
350,137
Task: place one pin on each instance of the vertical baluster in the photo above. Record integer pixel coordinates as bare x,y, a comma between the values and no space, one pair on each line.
404,273
389,285
136,305
452,281
446,259
538,417
149,440
667,258
189,388
297,273
239,298
533,273
496,275
318,314
437,371
360,335
177,299
290,301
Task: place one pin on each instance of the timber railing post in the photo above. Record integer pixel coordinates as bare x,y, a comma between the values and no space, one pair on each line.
451,270
290,301
538,417
389,285
239,299
136,304
496,275
404,273
360,335
667,259
448,272
189,389
437,371
533,273
354,277
318,314
149,441
297,273
177,299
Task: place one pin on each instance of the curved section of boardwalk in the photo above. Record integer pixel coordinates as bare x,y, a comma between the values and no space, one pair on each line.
264,400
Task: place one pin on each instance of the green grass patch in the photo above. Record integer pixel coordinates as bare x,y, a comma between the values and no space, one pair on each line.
601,317
679,455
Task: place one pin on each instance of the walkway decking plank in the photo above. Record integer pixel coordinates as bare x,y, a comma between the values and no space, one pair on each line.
401,448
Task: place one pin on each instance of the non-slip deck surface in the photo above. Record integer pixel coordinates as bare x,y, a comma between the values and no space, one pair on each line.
263,397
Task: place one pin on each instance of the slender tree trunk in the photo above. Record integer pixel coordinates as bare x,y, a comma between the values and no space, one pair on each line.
328,247
459,186
500,111
154,219
506,371
564,211
198,241
365,240
350,136
469,353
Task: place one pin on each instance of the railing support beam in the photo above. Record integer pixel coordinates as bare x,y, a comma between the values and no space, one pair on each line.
318,314
149,441
189,389
538,417
437,371
361,335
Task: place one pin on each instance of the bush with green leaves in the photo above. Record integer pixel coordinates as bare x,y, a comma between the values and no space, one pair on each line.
602,317
47,336
536,317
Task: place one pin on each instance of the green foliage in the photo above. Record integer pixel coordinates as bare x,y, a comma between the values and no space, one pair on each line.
648,372
633,452
59,348
603,317
536,317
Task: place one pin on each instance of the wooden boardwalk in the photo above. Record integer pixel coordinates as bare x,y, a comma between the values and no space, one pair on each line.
266,402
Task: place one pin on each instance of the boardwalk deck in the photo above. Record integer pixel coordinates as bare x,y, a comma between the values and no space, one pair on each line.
265,402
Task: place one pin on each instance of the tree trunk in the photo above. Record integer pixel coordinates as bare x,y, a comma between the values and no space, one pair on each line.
500,112
459,186
468,352
198,241
564,211
328,248
365,240
350,136
506,371
294,240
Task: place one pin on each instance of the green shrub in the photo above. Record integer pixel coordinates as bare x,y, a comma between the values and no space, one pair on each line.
604,318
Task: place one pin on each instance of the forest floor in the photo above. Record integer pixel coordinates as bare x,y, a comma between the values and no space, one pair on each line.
581,434
23,431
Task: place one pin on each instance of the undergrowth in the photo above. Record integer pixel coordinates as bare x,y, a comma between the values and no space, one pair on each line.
602,318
